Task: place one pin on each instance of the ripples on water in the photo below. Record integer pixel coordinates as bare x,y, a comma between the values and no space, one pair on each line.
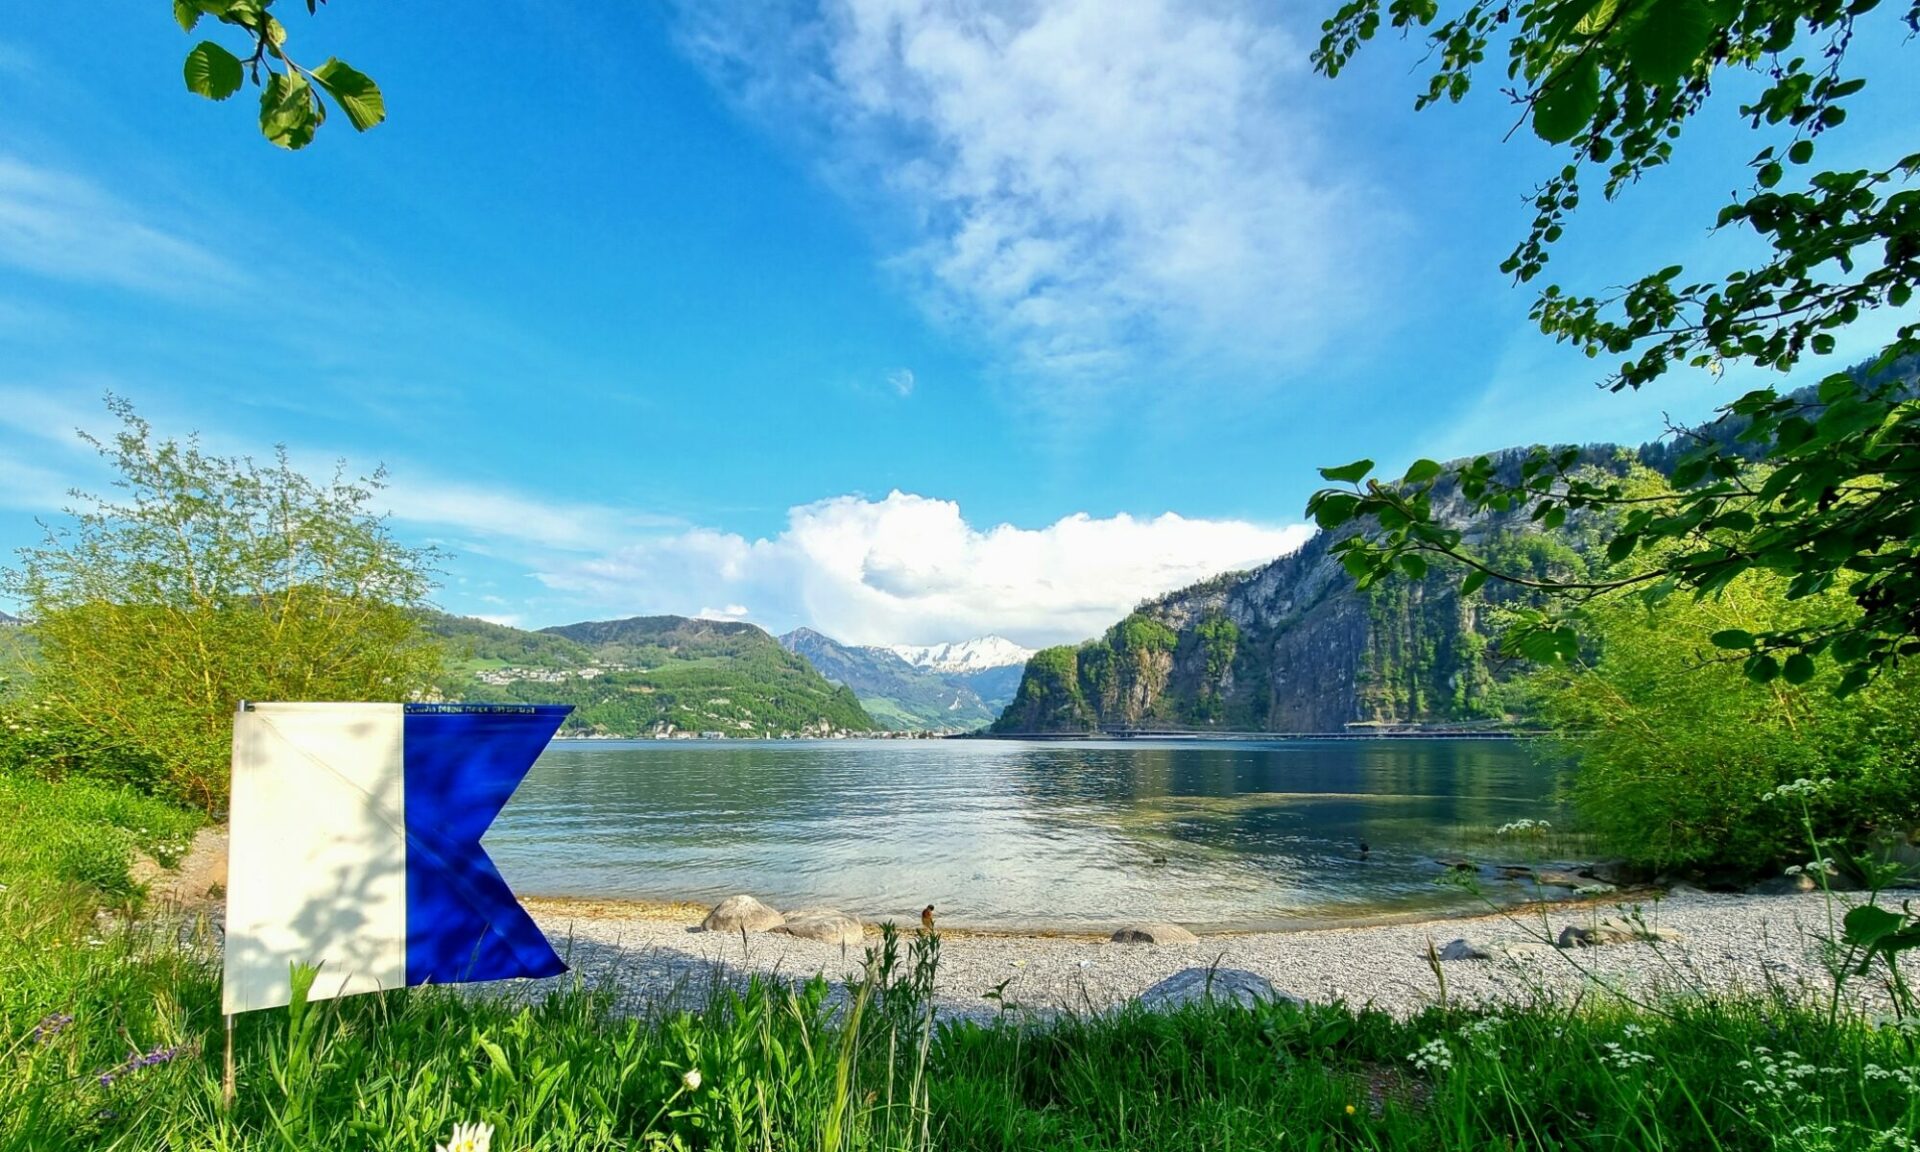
1214,834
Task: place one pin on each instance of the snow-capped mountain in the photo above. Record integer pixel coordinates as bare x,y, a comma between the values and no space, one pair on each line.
975,655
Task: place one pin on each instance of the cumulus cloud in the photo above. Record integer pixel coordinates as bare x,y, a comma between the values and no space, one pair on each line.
1096,187
909,569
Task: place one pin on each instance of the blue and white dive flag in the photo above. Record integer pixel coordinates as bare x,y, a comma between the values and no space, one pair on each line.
355,846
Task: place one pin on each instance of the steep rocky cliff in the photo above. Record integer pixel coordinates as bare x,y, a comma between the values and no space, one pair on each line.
1293,646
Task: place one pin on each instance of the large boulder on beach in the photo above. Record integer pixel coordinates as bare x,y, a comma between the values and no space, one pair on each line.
1462,949
742,913
1154,934
1614,932
1220,985
826,925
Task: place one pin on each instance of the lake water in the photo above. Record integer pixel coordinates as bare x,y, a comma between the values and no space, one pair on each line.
1062,834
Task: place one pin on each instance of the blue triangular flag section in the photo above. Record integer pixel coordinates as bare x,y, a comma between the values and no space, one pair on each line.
462,763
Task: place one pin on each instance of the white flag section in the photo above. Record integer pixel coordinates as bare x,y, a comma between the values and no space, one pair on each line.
355,846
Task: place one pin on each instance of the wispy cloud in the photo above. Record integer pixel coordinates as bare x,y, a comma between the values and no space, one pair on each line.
56,224
498,513
1096,188
29,487
909,569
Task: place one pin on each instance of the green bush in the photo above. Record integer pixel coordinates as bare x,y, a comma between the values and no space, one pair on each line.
41,742
1679,751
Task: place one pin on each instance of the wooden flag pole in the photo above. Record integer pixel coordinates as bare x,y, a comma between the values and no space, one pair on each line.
226,1085
227,1081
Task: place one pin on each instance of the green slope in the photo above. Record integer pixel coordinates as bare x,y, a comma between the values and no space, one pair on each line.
649,675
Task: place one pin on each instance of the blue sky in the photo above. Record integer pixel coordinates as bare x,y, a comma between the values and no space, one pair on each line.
907,320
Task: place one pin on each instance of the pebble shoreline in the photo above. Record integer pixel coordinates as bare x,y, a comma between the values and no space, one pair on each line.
1725,943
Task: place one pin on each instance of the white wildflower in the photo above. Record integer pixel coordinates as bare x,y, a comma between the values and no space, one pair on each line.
691,1081
469,1138
1434,1056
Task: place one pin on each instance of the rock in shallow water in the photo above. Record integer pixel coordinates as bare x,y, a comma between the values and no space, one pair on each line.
1154,934
1217,984
827,925
741,913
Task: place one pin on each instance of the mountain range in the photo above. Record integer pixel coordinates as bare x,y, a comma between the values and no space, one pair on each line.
652,676
955,687
659,676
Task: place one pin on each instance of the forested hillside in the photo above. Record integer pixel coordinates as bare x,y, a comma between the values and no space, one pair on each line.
649,676
1292,646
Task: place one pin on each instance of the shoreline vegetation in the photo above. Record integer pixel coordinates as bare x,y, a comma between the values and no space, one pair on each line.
662,1038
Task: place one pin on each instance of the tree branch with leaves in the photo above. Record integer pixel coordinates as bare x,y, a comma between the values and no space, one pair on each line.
1823,490
291,106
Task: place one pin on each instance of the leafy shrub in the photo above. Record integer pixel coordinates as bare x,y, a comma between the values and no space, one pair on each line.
41,742
1678,749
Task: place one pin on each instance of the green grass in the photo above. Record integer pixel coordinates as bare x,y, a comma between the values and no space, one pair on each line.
821,1068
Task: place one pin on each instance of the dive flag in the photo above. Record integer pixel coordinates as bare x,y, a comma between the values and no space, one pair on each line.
354,844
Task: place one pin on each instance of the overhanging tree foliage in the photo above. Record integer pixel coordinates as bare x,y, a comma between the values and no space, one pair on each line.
213,580
291,107
1835,500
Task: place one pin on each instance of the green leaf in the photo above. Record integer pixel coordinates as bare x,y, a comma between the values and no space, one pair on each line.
1857,677
1567,100
1413,564
1347,473
1421,471
1732,638
1547,645
1472,583
1763,668
1621,546
287,114
356,93
1670,38
212,71
1799,668
1331,509
1869,924
186,15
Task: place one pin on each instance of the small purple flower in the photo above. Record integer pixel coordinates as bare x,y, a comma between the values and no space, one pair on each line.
50,1026
158,1056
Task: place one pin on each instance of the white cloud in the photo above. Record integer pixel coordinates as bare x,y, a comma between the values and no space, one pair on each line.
901,381
59,225
1096,187
502,513
909,569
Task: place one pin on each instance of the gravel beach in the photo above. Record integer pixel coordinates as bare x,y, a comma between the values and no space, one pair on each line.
1717,942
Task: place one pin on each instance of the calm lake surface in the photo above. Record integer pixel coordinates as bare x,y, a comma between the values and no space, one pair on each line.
1080,834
